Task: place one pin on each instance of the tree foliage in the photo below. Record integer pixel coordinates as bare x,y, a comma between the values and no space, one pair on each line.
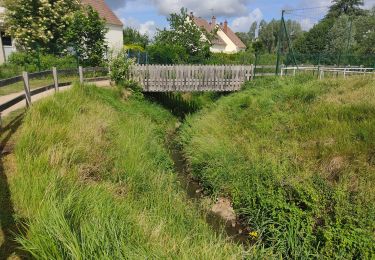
184,33
56,27
346,30
249,37
345,7
365,34
269,33
86,36
39,25
120,67
245,38
167,54
134,37
315,40
341,35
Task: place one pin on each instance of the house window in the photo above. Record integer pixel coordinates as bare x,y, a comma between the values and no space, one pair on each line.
6,40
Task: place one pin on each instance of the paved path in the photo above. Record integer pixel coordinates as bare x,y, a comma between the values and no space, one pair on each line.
22,104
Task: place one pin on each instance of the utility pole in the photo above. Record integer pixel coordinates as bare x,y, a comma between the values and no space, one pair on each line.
279,43
349,36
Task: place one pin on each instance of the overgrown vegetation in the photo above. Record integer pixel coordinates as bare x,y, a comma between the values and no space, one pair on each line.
94,180
120,67
296,156
58,27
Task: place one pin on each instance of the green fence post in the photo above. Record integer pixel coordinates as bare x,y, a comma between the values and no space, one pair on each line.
279,43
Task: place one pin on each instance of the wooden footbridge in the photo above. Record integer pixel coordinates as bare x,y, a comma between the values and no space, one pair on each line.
191,78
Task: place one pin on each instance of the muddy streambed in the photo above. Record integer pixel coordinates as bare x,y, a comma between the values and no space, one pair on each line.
220,215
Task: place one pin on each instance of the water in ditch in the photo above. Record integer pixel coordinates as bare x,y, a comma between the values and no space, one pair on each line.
234,229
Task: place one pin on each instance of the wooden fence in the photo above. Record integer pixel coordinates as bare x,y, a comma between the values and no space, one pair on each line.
54,73
187,78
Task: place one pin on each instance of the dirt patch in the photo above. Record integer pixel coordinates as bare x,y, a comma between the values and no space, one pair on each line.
89,173
223,208
335,167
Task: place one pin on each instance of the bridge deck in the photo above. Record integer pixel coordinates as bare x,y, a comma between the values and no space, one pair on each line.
188,78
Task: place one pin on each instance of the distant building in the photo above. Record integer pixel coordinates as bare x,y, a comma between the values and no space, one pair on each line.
114,35
226,40
7,45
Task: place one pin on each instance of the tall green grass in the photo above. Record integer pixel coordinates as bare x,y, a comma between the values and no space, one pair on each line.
94,181
297,158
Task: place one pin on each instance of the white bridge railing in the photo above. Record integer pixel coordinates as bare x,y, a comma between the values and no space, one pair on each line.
322,71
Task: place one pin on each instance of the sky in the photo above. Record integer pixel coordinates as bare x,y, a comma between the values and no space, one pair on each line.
148,15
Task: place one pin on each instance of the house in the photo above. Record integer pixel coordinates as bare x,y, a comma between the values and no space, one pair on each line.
115,27
114,35
7,45
226,40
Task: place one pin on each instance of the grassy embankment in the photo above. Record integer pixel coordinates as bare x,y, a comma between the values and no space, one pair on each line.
297,158
94,181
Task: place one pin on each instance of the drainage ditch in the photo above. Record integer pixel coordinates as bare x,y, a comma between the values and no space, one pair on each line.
221,216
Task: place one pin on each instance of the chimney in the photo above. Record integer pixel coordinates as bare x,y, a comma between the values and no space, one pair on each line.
213,21
225,26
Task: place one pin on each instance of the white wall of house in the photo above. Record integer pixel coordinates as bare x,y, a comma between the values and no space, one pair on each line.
114,37
2,54
5,48
217,48
230,46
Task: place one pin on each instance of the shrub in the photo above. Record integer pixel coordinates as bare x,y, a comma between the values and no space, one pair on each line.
8,70
167,54
119,67
134,47
130,88
31,62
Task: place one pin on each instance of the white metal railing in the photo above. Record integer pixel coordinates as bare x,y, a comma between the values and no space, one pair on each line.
322,70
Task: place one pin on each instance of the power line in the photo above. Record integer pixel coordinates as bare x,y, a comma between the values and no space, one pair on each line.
304,16
307,8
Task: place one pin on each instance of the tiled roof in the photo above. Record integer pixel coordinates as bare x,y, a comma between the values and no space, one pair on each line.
233,37
104,11
202,23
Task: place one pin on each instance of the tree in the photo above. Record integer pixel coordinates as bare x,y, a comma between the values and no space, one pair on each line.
253,30
249,37
345,7
86,36
341,36
244,38
269,34
365,34
39,25
167,54
315,41
258,47
134,37
184,33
